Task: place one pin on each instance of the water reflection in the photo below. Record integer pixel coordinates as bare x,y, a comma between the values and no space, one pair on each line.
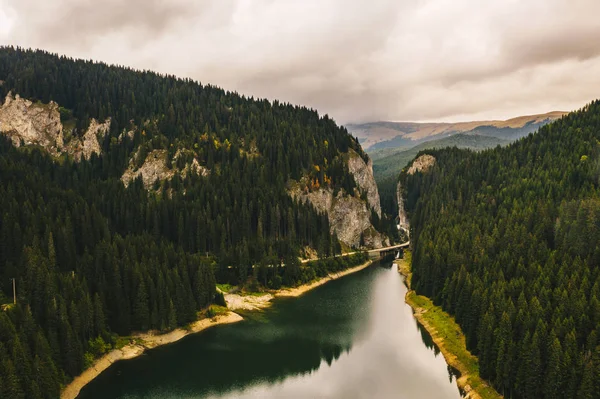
352,338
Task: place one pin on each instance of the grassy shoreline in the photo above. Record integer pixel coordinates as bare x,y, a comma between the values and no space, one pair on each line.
139,343
448,337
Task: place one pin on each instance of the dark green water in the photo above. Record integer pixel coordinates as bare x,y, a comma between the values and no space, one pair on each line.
351,338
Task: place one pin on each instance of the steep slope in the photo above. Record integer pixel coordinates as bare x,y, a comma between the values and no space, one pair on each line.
507,241
126,195
378,135
350,217
393,161
389,162
39,124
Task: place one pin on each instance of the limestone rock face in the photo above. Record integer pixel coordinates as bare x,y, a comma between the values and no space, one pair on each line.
28,123
90,141
348,216
363,176
402,217
32,123
153,168
200,170
421,164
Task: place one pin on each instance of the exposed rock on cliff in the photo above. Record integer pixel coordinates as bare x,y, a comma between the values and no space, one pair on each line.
195,167
363,176
403,224
349,215
349,218
25,122
31,123
154,168
421,164
90,141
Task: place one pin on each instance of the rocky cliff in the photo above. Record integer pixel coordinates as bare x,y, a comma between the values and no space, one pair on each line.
29,123
403,224
90,142
155,168
363,176
349,216
421,164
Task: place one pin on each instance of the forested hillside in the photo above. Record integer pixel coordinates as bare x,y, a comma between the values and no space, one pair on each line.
93,257
389,162
508,241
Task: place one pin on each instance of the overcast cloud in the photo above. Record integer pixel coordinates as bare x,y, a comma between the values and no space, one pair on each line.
355,60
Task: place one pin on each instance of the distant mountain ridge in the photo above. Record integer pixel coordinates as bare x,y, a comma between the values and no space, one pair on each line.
384,134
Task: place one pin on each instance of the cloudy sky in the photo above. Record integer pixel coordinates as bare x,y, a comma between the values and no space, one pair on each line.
417,60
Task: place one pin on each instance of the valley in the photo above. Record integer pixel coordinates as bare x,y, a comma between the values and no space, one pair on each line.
221,200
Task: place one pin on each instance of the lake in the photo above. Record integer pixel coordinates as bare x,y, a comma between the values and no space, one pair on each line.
354,337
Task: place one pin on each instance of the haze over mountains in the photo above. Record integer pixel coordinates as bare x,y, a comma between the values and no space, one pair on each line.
385,134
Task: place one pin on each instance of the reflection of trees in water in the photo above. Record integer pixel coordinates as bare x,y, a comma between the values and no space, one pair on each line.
290,339
426,338
334,352
268,362
453,373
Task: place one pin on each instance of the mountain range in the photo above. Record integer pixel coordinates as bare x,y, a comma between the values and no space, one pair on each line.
386,134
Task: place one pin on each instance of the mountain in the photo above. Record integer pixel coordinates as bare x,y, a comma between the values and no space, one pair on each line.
389,162
507,240
126,195
378,135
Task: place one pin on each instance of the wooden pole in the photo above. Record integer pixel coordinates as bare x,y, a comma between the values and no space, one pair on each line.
14,292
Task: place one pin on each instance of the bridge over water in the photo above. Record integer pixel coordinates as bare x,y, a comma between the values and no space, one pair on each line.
375,253
388,250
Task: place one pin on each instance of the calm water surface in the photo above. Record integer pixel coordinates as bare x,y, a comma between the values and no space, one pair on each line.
351,338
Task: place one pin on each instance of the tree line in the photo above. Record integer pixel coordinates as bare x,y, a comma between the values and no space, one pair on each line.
508,241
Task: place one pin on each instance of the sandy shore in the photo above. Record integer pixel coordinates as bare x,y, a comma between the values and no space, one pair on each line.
297,291
256,302
147,341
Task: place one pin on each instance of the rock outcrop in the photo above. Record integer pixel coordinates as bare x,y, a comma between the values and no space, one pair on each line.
200,170
154,168
403,224
28,123
363,176
421,164
90,141
349,215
